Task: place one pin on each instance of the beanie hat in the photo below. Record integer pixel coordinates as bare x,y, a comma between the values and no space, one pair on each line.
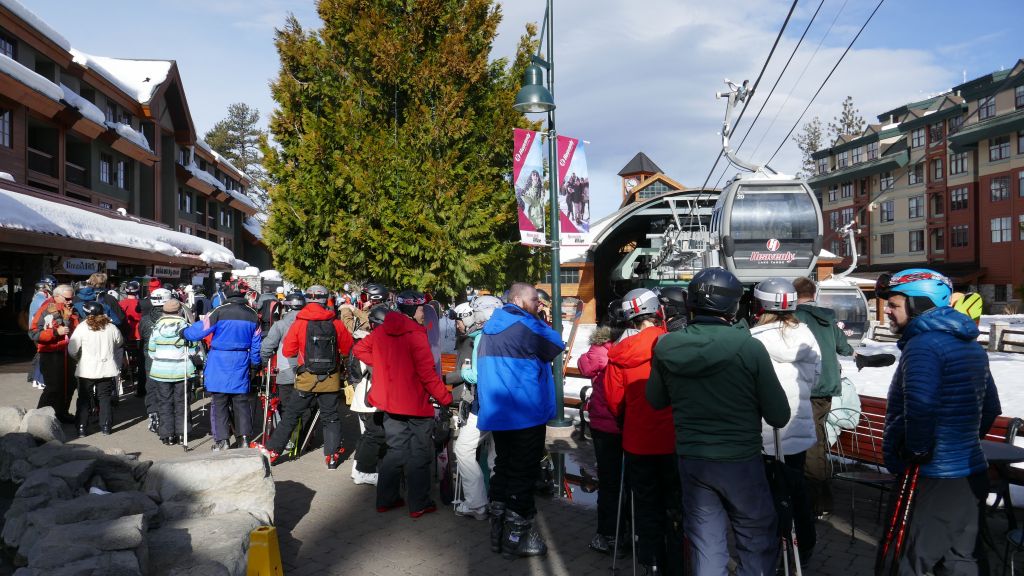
172,306
154,283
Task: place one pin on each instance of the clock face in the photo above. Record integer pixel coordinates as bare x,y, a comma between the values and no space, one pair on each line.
631,183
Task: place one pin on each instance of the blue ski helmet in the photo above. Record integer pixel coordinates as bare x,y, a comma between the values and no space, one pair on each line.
925,288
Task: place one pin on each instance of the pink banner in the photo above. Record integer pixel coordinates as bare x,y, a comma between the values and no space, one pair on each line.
573,192
530,189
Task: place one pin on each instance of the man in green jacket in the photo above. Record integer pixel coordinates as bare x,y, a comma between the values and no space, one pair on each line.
830,337
720,383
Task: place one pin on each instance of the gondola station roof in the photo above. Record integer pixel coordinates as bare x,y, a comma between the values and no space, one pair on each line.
640,164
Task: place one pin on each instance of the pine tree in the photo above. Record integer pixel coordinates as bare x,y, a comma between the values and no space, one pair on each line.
849,121
393,148
808,140
237,137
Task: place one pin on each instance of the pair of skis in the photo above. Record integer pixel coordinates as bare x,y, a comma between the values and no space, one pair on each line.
896,528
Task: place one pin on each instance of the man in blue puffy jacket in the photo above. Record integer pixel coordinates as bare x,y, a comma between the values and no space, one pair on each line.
941,401
234,352
517,398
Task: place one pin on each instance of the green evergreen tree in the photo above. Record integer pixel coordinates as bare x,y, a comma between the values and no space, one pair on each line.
809,142
393,148
237,137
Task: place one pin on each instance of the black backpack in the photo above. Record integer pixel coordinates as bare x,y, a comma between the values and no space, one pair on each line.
321,355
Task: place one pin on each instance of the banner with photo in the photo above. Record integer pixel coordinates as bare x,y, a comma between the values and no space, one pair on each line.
529,183
573,192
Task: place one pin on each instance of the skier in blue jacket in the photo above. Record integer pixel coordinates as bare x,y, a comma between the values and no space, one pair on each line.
234,353
941,401
517,398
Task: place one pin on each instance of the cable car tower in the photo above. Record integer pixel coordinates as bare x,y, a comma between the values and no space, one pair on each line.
764,224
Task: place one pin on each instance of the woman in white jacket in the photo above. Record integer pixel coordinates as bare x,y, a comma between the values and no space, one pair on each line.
797,360
96,343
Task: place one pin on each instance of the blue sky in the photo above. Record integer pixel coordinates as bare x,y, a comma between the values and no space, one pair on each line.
631,76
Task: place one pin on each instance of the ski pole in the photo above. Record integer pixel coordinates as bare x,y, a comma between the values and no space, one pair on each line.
907,509
312,429
883,548
266,404
618,512
186,419
789,545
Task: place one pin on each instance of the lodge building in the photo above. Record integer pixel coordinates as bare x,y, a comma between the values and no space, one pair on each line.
101,169
937,183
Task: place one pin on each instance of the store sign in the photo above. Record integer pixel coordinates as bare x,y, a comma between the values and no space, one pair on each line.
82,266
166,272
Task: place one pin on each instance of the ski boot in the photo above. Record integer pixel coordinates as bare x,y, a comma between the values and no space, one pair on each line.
270,454
521,539
154,422
334,460
221,446
497,510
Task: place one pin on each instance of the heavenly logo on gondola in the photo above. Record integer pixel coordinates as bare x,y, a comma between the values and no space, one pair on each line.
773,256
524,147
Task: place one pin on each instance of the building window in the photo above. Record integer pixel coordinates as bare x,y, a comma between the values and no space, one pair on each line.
916,206
1020,184
105,164
959,236
998,148
888,209
957,163
1020,142
183,156
7,46
822,165
858,155
124,177
833,193
938,173
935,133
955,123
916,174
986,107
1018,96
872,150
843,159
938,240
846,216
846,190
958,198
917,138
1001,230
888,244
125,118
109,112
917,240
1000,188
566,275
5,127
885,181
938,206
833,221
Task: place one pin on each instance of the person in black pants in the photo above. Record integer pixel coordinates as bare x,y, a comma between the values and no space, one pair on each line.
51,329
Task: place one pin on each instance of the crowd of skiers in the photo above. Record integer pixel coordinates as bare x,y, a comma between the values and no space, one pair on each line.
703,420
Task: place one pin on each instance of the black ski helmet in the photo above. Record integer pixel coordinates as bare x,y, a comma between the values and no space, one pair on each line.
92,308
374,293
376,315
409,300
716,291
132,287
673,300
295,301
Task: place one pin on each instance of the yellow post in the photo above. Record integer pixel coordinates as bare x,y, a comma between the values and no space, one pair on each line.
264,553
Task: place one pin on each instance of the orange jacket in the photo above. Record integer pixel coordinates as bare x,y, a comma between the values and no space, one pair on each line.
48,318
644,429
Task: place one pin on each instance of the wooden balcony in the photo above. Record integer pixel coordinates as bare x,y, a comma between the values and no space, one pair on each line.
75,174
42,163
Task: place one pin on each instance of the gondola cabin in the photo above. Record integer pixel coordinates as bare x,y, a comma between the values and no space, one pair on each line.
766,226
847,300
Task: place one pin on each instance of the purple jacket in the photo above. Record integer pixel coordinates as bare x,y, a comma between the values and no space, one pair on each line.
592,365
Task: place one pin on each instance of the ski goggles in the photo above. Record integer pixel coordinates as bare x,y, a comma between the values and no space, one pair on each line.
411,301
886,283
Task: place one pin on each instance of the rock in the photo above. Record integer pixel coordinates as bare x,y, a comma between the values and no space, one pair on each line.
107,564
14,446
90,507
42,423
16,518
20,469
66,543
209,484
188,545
42,483
75,473
10,419
121,473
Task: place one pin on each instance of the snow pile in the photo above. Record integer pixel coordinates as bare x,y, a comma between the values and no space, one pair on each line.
36,22
128,133
254,227
22,212
88,109
271,275
30,78
137,78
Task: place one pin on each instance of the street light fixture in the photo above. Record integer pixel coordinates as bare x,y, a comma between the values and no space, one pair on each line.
534,98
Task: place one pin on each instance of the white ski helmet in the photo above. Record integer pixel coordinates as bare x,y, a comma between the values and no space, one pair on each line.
159,296
639,302
483,307
776,295
463,312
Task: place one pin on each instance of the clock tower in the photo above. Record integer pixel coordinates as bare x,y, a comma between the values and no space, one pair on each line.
636,171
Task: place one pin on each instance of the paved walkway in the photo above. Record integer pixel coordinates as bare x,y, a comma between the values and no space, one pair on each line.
328,526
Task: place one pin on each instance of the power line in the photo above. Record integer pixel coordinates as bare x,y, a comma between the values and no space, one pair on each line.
825,81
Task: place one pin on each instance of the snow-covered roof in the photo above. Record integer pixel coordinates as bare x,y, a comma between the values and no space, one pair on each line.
88,109
23,212
29,78
137,78
826,254
271,275
254,227
209,179
36,22
127,132
220,159
6,176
